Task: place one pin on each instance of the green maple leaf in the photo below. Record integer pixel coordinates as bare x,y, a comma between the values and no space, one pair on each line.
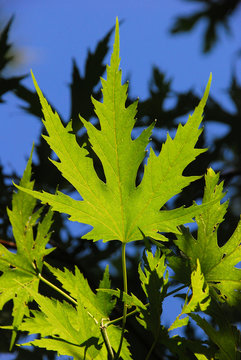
154,283
117,209
75,331
218,264
21,268
199,300
69,331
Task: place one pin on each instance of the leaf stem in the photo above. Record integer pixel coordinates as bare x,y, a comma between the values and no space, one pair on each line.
125,306
133,312
106,340
151,349
57,289
114,321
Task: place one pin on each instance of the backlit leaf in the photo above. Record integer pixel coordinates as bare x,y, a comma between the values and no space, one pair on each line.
21,268
218,264
74,331
154,282
199,300
117,209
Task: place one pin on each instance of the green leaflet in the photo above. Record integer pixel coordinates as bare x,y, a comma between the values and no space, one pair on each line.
22,268
72,331
75,331
199,300
154,283
99,305
117,209
227,337
217,263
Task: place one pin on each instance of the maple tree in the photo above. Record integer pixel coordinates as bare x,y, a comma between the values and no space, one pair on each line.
81,324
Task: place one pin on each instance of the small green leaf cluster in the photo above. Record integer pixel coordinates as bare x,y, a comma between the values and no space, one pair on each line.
82,324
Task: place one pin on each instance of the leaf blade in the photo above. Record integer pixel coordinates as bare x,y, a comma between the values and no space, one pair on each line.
117,209
218,263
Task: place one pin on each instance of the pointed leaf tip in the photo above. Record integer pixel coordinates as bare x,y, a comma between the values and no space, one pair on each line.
33,77
116,46
39,92
117,29
207,90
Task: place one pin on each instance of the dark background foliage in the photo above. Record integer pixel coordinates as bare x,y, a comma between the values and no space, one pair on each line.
224,154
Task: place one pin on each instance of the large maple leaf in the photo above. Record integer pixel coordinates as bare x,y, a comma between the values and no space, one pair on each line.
118,209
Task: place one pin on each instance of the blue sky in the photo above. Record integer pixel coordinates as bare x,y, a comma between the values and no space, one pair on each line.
49,34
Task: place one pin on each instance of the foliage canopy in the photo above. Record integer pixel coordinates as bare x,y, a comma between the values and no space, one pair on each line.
81,324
